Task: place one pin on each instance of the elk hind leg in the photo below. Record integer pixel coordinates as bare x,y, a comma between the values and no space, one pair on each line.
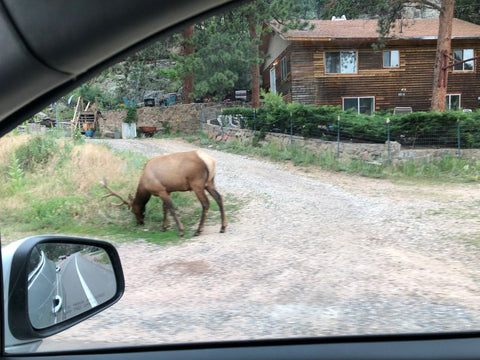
202,197
212,190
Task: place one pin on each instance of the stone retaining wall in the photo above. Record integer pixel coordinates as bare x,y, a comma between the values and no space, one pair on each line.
186,118
375,153
192,118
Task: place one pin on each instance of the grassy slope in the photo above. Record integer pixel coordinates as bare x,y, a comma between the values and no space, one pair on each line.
60,192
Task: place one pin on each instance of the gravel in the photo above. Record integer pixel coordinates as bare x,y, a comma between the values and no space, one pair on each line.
307,253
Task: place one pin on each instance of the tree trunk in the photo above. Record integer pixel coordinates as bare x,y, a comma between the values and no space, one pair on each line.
255,68
444,42
188,79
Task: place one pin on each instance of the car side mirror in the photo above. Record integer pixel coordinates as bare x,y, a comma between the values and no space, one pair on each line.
54,282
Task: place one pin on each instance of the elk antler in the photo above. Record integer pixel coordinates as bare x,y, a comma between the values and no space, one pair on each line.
113,193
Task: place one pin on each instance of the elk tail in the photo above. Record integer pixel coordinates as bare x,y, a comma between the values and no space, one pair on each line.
209,163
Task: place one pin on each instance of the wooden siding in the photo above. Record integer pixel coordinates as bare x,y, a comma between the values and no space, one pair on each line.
466,83
284,86
415,74
302,63
309,84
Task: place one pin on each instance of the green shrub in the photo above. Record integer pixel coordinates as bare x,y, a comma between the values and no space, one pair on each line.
16,176
131,116
37,151
427,128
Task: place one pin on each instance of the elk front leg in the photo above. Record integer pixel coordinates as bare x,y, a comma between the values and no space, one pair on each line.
168,204
165,217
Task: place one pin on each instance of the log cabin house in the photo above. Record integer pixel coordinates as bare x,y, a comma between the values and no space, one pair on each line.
336,64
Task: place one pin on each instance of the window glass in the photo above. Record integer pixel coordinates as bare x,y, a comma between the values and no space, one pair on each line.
343,62
349,62
284,68
452,102
468,54
350,103
461,55
366,106
332,62
391,58
362,105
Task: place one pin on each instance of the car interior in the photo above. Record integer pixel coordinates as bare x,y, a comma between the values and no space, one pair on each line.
52,47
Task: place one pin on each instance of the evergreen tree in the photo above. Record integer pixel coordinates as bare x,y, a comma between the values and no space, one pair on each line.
468,10
226,53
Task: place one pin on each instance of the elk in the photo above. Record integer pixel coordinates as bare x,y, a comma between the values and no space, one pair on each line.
164,174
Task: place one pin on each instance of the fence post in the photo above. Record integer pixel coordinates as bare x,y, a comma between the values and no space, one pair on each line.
459,152
221,121
291,129
338,136
388,140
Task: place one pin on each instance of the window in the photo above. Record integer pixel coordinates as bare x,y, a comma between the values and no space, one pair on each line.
284,68
362,105
391,59
452,102
341,62
461,55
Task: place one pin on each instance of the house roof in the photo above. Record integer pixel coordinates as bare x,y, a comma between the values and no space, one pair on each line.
367,29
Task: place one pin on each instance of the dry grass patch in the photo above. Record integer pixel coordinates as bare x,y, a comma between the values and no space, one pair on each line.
91,163
8,144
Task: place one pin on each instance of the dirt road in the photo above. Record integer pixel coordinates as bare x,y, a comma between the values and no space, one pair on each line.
307,254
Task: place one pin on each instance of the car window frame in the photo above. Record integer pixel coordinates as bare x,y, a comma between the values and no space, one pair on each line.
406,346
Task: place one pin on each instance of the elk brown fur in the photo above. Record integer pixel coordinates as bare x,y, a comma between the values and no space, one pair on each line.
182,171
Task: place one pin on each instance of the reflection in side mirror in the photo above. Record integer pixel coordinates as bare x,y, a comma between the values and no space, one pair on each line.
65,280
53,282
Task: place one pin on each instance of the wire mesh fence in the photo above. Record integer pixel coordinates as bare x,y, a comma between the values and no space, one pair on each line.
460,134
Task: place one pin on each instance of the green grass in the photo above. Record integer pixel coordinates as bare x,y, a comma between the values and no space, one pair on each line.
447,169
59,192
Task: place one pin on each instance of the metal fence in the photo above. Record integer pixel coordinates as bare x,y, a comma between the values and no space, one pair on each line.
459,135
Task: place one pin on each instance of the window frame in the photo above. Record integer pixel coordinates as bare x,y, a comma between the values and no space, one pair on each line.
372,108
390,59
340,64
283,68
448,102
464,57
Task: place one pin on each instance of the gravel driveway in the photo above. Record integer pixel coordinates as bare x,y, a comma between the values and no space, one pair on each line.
308,253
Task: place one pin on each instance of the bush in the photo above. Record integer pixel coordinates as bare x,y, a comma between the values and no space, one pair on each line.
37,151
131,116
419,128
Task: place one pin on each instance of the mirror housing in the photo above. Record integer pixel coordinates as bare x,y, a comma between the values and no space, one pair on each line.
16,258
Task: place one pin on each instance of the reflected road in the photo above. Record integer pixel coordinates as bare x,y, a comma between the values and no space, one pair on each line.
87,283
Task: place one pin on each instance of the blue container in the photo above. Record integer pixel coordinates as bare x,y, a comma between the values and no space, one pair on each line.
89,133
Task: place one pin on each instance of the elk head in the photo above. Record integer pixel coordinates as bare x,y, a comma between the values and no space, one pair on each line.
128,202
